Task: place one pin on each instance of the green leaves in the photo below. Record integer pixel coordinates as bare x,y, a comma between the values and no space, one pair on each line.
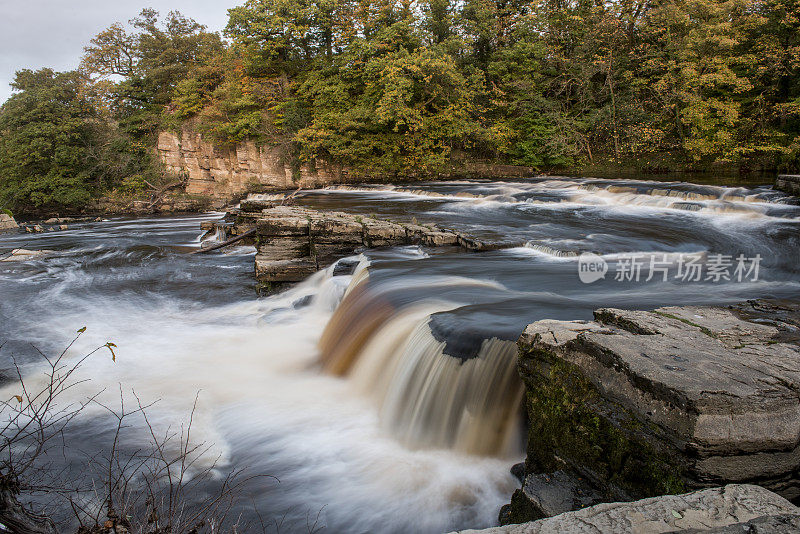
388,105
44,133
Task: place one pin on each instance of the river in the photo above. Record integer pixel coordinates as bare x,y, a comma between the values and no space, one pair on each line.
384,399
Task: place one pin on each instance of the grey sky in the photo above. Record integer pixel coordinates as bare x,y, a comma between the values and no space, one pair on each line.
52,33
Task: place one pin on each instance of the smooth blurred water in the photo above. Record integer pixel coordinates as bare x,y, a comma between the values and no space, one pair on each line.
188,324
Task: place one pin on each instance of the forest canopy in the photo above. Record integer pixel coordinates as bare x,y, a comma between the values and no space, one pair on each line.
401,89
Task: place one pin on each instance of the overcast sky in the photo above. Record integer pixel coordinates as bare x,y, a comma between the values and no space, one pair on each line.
52,33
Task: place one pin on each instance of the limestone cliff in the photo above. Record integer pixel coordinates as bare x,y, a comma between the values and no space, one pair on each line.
224,172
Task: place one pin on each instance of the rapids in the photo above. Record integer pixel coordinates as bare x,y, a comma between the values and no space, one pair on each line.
385,400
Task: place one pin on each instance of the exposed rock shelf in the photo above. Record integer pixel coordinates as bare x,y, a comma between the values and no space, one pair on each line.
294,242
637,404
732,509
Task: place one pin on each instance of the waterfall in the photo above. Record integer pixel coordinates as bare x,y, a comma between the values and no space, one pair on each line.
426,397
219,235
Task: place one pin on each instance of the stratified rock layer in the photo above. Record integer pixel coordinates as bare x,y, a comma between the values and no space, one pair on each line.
639,404
732,509
228,171
295,242
224,172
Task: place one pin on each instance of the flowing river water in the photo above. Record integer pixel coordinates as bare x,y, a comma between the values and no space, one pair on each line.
385,398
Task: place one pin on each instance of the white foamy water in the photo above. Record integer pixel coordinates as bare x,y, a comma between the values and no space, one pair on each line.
262,402
559,194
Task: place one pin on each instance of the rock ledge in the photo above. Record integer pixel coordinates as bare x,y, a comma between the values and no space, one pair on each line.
637,404
294,242
730,509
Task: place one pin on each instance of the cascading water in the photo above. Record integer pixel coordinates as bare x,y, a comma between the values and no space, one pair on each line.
218,236
427,398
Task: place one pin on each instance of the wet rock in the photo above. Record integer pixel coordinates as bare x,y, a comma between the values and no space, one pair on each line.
302,302
733,508
646,403
345,267
788,183
7,222
771,524
295,242
21,254
518,470
550,494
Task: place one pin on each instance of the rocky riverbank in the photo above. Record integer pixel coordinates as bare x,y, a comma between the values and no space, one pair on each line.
788,183
733,509
638,404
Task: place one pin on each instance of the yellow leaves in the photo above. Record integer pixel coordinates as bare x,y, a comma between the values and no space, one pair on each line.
110,346
82,330
19,398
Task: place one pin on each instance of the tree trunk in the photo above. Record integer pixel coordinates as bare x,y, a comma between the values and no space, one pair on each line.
17,519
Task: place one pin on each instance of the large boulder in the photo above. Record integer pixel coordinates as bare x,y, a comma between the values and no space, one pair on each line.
730,509
638,404
7,222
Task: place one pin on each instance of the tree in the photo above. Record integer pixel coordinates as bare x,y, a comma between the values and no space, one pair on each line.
388,106
153,59
44,134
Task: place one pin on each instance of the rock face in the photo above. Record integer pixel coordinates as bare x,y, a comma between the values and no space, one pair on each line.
295,242
732,509
227,172
788,183
7,222
638,404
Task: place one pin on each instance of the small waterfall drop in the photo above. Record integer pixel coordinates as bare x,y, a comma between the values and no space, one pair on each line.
427,398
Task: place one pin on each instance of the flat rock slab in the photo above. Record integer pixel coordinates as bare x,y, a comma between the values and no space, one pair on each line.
294,242
651,402
21,254
733,508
